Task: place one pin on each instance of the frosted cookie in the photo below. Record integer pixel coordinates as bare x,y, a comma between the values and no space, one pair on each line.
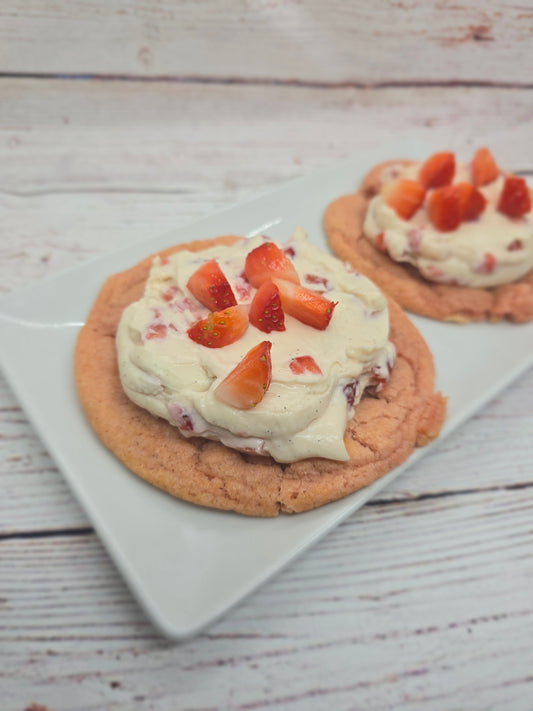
243,375
452,242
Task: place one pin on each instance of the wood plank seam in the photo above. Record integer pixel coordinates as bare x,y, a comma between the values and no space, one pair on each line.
447,494
88,530
52,533
262,81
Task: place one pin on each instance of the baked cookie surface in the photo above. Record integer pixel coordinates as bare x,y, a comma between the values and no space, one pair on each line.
384,431
343,224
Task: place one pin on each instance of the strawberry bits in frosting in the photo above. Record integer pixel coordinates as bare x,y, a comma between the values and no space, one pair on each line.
468,225
267,348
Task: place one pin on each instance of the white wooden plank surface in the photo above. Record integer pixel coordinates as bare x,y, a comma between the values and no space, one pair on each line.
272,40
189,140
422,600
352,625
170,154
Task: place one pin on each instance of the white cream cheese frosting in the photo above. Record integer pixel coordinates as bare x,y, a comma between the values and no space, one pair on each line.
491,250
301,415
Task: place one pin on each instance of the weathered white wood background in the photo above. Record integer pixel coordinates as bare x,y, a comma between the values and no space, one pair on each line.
123,119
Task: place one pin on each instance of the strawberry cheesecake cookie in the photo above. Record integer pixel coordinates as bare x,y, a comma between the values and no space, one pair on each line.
450,241
261,378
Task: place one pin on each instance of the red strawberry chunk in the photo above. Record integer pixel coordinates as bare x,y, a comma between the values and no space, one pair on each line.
304,364
247,383
317,279
471,201
488,265
443,208
351,391
515,199
380,242
267,261
437,170
266,313
515,245
404,196
156,330
209,285
305,305
490,262
433,272
484,167
379,377
414,238
170,292
220,328
242,287
181,417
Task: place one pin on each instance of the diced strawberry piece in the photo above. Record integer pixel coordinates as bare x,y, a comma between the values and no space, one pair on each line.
185,423
379,377
515,199
186,303
471,201
475,206
380,242
484,167
209,285
488,265
463,192
515,245
242,287
305,305
433,272
304,364
170,292
443,209
404,196
266,313
181,417
414,238
156,330
437,170
267,261
247,383
490,262
378,381
351,391
220,328
317,279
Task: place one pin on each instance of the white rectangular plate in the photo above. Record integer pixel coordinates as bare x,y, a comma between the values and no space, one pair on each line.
187,565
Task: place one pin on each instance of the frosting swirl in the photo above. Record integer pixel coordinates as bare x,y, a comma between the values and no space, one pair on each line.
302,414
491,250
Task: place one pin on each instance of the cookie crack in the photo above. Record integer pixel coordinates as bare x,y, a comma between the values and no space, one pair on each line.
357,438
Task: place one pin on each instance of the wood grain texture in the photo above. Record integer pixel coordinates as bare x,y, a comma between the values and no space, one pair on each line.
422,600
352,625
188,140
87,166
272,40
